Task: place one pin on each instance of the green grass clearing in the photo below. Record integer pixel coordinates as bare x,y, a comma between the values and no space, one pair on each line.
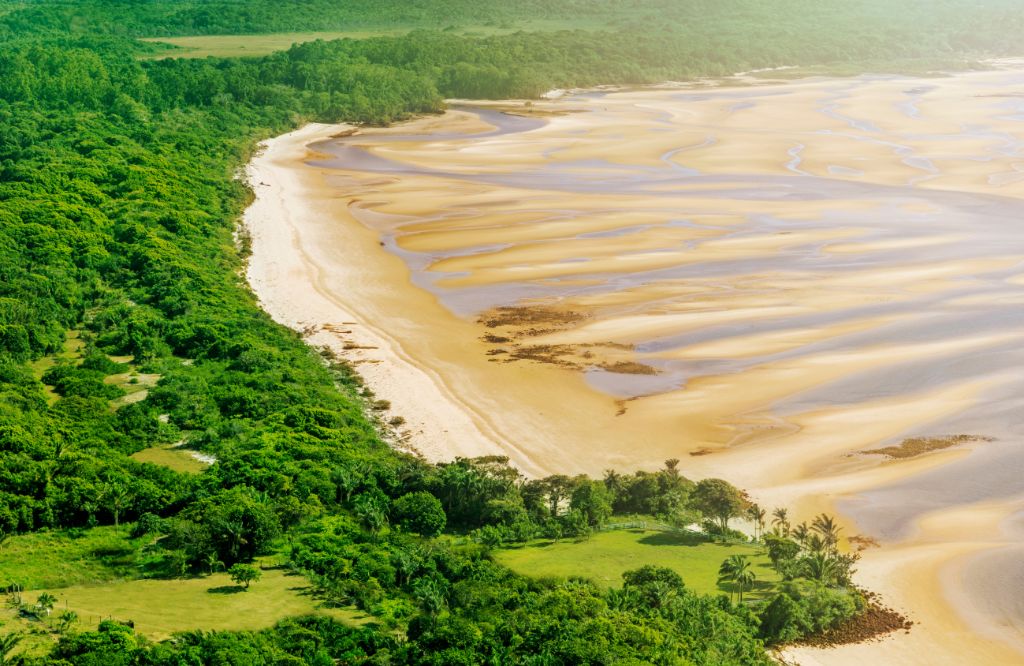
238,46
174,457
134,384
606,555
68,557
72,351
160,608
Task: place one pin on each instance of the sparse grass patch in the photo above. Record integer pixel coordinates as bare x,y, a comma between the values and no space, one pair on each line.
606,555
916,446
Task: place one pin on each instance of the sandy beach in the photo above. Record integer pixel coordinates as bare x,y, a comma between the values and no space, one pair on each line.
763,281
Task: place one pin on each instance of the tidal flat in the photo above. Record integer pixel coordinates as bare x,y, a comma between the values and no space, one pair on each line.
766,281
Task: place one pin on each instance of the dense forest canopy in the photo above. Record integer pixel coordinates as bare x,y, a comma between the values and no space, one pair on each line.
118,203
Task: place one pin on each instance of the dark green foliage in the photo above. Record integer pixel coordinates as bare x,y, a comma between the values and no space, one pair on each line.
783,620
419,512
804,607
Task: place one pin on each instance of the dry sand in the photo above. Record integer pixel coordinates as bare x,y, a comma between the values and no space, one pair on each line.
814,269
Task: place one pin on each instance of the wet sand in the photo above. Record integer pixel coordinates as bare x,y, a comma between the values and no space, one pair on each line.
774,278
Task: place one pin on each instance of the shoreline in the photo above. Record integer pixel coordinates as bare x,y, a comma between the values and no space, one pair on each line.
287,281
289,258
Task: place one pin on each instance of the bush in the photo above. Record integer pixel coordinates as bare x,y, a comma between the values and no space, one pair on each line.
244,574
419,512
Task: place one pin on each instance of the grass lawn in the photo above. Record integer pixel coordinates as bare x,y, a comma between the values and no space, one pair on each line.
168,455
235,46
606,555
72,351
68,557
211,603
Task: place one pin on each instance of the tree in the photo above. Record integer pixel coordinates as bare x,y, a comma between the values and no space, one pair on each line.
780,521
593,500
826,526
244,574
45,602
419,512
8,642
67,619
212,562
783,620
757,515
574,524
783,553
372,508
820,567
558,487
737,570
801,533
613,482
718,500
117,496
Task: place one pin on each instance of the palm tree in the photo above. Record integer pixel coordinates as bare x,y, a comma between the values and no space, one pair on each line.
820,567
118,497
45,602
67,619
826,526
801,532
613,482
736,570
234,533
7,644
780,521
815,544
757,514
212,562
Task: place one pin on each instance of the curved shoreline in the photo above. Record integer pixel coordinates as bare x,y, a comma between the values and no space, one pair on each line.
282,264
299,196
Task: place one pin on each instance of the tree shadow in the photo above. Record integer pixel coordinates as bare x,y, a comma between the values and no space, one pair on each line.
756,591
546,543
226,589
673,539
111,552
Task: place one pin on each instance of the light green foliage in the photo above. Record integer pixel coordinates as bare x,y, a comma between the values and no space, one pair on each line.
244,574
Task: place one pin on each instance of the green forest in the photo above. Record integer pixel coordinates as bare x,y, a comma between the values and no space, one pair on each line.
120,279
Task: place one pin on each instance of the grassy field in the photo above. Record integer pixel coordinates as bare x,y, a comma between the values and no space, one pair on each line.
95,573
606,555
160,608
68,557
73,346
234,46
176,458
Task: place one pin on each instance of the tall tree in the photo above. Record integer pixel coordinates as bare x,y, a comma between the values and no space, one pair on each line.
737,570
